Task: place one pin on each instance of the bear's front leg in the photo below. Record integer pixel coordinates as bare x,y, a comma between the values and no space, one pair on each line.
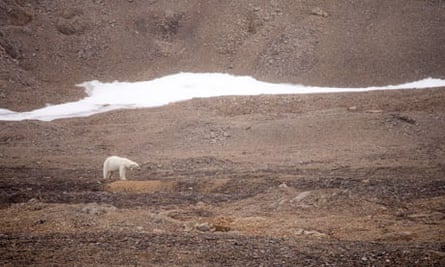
107,174
122,173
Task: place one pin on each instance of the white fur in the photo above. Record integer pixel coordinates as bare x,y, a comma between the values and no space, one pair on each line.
115,163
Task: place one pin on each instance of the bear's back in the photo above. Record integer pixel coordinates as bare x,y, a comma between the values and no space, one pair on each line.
116,161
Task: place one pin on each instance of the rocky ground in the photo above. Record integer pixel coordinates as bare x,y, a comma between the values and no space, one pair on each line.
305,180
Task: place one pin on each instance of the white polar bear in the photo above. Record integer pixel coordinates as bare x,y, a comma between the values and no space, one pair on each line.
115,163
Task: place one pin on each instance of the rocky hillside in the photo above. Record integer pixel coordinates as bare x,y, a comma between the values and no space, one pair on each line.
47,46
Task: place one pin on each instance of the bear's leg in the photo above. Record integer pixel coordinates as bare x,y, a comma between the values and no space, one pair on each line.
122,173
107,174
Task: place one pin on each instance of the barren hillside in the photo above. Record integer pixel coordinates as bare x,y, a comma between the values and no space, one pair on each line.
47,47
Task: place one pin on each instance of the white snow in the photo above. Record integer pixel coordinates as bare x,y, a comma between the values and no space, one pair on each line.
103,97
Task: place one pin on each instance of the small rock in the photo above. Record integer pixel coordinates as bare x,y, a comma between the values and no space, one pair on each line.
404,118
301,196
374,111
71,27
309,232
203,227
352,108
283,185
319,12
33,200
299,231
40,221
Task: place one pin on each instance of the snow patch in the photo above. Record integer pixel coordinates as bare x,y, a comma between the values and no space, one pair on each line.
103,97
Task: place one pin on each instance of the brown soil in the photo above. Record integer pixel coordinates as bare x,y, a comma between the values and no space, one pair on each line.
304,180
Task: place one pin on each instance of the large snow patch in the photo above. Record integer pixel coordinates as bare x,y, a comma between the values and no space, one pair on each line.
103,97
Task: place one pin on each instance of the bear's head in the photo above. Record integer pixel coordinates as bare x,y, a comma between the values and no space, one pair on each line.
135,166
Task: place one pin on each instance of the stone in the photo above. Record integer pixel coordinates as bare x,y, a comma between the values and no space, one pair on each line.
309,233
71,27
203,227
301,196
283,185
352,108
319,12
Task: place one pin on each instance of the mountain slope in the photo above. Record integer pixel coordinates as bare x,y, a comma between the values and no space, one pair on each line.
46,47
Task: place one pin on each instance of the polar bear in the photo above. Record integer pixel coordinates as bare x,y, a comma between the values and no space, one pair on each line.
115,163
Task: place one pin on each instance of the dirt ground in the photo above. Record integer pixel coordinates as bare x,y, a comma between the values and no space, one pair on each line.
353,179
246,182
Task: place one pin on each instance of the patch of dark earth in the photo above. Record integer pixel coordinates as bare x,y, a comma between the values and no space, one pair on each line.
197,249
392,186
